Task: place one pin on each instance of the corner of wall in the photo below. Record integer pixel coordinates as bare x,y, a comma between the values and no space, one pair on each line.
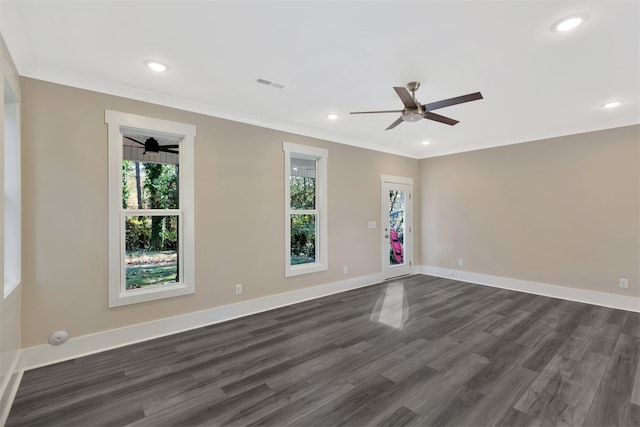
10,304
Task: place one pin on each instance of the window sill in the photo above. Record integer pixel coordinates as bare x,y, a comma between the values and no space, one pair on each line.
136,296
9,288
297,270
11,297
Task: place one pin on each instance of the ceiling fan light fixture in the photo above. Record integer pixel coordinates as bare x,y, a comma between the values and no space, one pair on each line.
156,66
332,116
412,116
425,142
569,23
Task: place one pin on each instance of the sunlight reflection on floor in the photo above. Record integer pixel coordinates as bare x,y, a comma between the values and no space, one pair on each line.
392,308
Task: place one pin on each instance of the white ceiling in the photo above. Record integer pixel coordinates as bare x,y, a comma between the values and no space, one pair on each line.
338,56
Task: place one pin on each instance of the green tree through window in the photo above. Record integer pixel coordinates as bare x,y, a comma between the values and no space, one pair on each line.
151,240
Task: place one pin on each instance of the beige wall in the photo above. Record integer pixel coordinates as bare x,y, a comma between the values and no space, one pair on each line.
239,200
562,211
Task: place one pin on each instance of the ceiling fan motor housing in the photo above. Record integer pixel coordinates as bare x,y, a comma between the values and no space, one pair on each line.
413,86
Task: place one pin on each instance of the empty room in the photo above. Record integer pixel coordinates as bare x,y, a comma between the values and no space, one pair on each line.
320,213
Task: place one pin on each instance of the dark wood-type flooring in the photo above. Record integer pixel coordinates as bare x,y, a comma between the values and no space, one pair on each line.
421,351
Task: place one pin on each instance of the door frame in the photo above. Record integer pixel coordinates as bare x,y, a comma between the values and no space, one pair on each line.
388,271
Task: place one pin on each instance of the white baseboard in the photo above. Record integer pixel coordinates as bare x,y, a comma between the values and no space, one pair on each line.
42,355
10,388
572,294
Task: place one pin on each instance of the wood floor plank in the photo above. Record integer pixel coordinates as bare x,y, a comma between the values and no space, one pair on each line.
401,417
460,404
612,400
544,352
442,389
632,325
584,380
385,361
486,379
267,406
303,406
515,418
635,394
340,409
384,404
464,354
490,408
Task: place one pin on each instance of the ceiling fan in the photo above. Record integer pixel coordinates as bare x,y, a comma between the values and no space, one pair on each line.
152,146
413,111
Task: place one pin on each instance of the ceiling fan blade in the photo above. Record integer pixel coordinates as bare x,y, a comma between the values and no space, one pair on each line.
406,97
373,112
452,101
166,150
396,123
439,118
170,146
134,140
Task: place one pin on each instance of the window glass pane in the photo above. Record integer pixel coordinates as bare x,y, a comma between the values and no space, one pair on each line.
151,250
303,238
149,179
302,182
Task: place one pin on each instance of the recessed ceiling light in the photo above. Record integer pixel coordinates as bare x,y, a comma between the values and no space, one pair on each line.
156,66
332,116
612,104
425,142
568,23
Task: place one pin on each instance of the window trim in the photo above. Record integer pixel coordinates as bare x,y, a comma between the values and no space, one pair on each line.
12,167
119,123
322,240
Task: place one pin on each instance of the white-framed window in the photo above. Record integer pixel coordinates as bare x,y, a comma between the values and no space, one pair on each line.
11,201
151,208
305,194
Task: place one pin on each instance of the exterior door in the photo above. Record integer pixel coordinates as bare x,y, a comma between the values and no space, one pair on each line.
397,226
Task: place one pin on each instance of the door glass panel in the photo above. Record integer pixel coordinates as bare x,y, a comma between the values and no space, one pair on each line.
397,207
303,238
151,250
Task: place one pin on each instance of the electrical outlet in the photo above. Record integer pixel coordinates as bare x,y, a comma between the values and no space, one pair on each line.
460,262
238,288
345,270
623,283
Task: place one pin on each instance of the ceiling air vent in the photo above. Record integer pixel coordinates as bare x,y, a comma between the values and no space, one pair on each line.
270,83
